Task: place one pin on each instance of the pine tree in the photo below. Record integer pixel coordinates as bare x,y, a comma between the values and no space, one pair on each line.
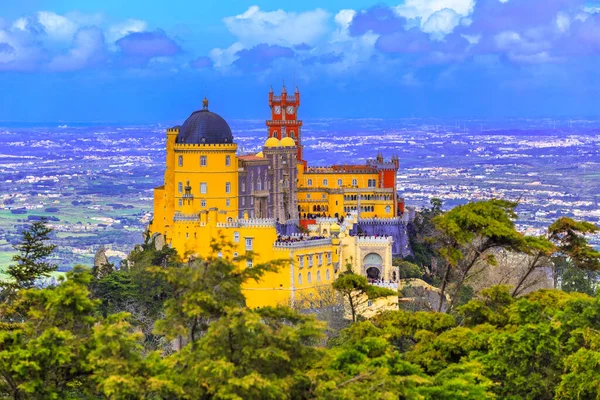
31,262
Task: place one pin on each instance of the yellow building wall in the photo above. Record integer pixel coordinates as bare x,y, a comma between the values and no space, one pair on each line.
215,174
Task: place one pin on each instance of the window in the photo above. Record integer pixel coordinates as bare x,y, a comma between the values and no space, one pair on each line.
301,261
328,258
325,182
309,278
220,254
187,235
323,196
227,161
243,201
354,182
299,279
327,275
259,184
320,259
235,254
248,263
236,237
243,186
369,303
227,202
180,202
251,201
339,182
318,276
310,261
372,183
203,187
227,187
180,187
181,161
309,183
248,244
202,203
203,161
308,196
388,209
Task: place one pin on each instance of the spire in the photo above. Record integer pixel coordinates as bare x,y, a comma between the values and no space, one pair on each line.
283,90
297,91
271,89
205,104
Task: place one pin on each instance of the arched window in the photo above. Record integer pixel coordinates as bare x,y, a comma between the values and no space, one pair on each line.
388,209
180,187
203,161
227,161
299,279
318,276
181,161
243,186
236,237
339,182
227,187
327,276
354,182
309,278
309,183
259,184
325,182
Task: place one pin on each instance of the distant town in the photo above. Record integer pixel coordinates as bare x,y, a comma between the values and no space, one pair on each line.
94,183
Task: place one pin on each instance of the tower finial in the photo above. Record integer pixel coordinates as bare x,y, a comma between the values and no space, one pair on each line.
205,104
283,90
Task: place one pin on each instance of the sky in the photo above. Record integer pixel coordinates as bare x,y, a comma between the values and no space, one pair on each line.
152,62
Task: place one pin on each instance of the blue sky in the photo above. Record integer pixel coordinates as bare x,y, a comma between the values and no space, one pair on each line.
140,61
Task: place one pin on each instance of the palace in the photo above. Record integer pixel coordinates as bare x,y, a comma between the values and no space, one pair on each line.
276,206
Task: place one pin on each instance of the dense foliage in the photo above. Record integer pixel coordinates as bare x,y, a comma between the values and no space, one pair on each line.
158,328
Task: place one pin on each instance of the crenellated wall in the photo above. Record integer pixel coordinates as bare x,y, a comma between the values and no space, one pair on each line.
394,227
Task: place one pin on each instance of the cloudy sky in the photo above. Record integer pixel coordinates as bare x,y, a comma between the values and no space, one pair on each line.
152,61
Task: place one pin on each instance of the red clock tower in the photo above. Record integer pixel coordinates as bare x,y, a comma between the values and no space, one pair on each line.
284,113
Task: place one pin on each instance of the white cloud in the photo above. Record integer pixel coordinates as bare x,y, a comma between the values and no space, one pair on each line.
57,26
343,19
423,9
221,58
278,27
88,48
563,22
441,23
117,31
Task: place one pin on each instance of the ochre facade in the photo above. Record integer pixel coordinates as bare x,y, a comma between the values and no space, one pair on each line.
260,203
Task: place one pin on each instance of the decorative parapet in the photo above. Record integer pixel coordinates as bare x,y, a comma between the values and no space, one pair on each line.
205,146
250,223
302,244
323,220
387,285
178,217
380,221
374,239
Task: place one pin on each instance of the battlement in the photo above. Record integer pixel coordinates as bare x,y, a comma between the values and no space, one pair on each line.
173,130
207,146
336,169
380,221
286,98
302,244
249,223
374,239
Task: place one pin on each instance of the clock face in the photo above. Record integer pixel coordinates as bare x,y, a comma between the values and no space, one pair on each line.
289,110
277,109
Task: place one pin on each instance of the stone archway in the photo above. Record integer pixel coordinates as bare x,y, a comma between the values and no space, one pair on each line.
373,266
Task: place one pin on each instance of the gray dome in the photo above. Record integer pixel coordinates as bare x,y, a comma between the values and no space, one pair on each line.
204,127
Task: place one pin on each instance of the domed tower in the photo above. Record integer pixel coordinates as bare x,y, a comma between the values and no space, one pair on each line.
201,171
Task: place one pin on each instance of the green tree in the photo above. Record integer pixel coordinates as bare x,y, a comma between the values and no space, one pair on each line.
357,291
32,260
469,234
566,249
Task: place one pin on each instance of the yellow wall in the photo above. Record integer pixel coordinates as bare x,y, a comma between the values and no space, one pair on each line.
215,174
